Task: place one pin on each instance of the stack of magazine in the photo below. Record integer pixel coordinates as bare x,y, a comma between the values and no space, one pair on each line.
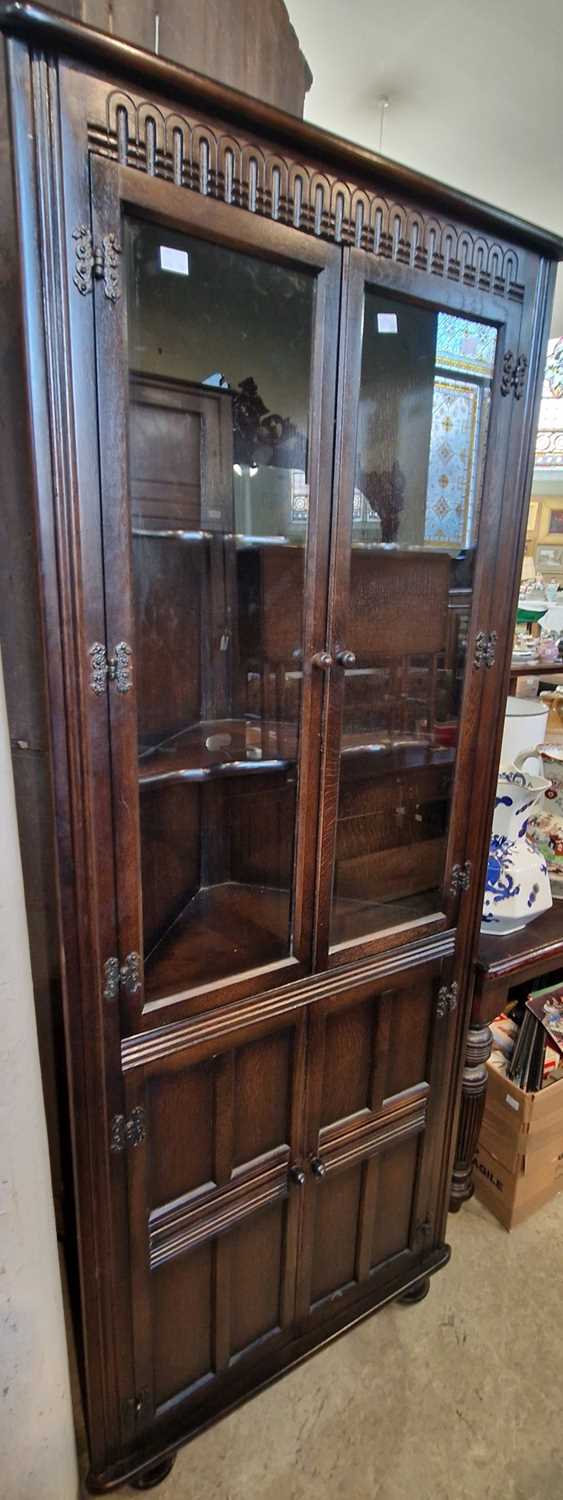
541,1033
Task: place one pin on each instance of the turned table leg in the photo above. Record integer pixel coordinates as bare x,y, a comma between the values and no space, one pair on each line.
473,1090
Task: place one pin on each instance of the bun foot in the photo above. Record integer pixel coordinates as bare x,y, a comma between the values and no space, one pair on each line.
416,1293
154,1474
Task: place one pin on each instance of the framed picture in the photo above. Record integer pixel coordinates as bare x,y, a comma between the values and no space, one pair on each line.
532,518
549,559
556,523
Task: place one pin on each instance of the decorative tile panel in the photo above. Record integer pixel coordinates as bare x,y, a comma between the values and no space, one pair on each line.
549,440
465,345
451,465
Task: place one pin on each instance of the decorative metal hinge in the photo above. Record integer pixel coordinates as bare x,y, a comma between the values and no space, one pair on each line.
96,263
129,1132
485,649
447,999
126,976
111,979
116,668
513,377
461,878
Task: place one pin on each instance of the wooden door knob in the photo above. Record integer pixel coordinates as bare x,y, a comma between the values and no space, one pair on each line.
322,660
318,1167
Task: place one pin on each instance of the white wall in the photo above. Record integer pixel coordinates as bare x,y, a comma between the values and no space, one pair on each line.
37,1447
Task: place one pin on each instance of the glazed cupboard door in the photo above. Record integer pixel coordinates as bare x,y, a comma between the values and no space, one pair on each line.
421,448
216,376
215,1193
380,1065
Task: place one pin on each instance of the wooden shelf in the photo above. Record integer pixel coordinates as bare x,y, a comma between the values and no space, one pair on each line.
228,928
257,746
223,930
541,940
537,668
249,746
519,958
356,919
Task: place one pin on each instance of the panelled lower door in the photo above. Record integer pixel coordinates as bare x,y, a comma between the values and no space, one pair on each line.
423,429
377,1083
215,1207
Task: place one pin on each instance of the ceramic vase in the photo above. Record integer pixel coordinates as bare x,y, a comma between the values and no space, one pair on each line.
517,887
547,835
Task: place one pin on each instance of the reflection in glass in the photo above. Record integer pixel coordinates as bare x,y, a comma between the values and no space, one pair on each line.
422,430
220,347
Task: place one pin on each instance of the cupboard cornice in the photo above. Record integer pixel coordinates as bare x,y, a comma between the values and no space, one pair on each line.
63,35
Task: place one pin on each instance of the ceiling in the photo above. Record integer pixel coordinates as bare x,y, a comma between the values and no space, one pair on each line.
474,92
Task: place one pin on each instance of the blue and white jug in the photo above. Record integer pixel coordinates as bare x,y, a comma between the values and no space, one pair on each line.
517,887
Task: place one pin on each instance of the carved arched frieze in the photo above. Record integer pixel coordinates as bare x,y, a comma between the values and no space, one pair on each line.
253,177
510,269
276,183
177,149
256,177
359,218
204,161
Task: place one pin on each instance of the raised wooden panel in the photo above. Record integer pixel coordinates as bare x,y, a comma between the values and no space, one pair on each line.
348,1061
256,1268
172,495
395,1188
182,1302
369,1053
407,1059
180,453
180,1143
336,1232
262,1097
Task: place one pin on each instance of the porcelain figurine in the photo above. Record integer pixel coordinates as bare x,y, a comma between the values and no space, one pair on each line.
517,887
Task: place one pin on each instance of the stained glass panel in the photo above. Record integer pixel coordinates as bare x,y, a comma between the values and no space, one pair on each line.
549,440
465,346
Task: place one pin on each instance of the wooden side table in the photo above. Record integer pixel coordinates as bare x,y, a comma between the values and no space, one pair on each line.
502,963
534,668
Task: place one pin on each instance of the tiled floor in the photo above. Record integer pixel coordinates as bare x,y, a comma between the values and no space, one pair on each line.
456,1399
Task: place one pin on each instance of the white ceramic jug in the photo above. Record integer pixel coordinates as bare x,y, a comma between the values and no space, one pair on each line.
547,834
517,887
525,724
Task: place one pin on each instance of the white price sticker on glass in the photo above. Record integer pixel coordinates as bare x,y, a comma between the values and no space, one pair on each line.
174,260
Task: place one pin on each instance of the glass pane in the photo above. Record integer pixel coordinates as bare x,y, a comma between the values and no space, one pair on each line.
219,347
422,432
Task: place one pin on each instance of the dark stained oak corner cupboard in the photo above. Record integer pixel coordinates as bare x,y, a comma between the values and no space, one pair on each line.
280,403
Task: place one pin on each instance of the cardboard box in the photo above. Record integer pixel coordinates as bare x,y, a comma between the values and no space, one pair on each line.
513,1196
519,1162
515,1124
